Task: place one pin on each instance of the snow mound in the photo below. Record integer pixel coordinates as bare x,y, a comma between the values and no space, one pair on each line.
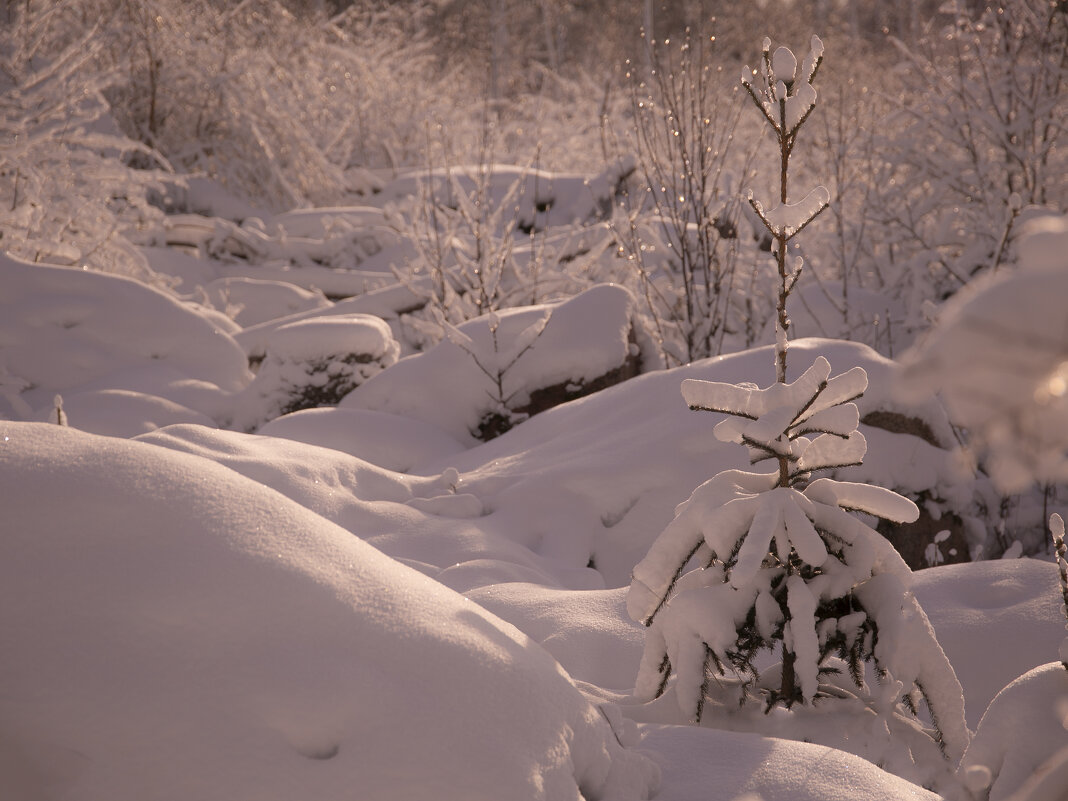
387,440
588,631
1008,608
706,763
176,631
62,328
250,301
121,412
1022,728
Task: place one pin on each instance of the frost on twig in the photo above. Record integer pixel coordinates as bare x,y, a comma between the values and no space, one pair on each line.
786,98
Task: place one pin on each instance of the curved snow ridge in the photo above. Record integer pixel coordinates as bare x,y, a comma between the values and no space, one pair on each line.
174,630
1021,730
64,328
709,763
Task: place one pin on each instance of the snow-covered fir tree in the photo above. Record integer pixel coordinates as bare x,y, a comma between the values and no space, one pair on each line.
777,560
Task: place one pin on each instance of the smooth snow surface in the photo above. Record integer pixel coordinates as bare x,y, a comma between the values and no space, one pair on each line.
62,328
174,631
388,440
704,763
1025,725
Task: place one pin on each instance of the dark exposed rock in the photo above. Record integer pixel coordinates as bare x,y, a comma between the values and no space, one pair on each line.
916,542
897,423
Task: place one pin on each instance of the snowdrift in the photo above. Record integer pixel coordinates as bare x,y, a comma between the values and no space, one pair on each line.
174,630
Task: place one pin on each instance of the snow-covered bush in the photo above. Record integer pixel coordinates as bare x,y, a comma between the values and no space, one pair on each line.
283,106
315,362
978,134
679,227
464,225
757,561
68,195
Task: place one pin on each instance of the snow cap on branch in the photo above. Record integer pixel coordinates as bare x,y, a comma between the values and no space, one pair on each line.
775,420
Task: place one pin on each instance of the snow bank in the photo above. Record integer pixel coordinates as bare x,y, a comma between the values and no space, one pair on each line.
62,328
121,412
1024,726
995,620
704,763
588,631
387,440
433,523
249,301
175,631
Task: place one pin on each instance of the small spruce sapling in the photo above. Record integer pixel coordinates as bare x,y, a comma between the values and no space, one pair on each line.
776,561
496,366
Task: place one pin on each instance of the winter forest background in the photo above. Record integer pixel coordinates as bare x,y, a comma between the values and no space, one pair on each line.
342,446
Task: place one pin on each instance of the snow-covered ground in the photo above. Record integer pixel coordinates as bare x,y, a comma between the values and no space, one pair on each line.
366,600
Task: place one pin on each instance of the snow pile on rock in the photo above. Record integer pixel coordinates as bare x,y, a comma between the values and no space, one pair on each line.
315,362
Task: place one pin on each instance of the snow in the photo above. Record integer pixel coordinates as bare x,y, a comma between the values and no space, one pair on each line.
584,338
314,362
802,634
250,300
748,766
63,328
815,53
1010,323
387,440
226,630
1024,726
995,621
363,600
784,64
787,218
219,560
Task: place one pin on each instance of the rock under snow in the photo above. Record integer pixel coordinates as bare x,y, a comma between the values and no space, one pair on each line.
315,362
587,342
